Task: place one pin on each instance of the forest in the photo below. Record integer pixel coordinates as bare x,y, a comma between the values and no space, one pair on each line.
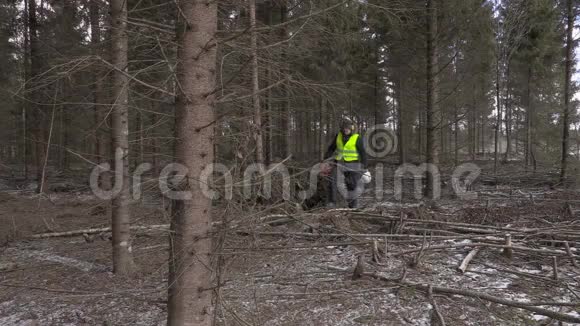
289,162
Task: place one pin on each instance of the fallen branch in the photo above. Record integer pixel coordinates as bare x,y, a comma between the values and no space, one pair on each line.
436,311
522,305
489,245
463,266
96,230
491,298
555,268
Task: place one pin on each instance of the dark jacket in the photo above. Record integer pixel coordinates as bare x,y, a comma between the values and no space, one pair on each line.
360,147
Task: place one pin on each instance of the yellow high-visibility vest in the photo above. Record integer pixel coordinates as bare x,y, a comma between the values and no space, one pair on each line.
346,152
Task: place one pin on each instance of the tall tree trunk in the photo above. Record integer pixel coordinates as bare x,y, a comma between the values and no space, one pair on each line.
24,103
321,140
508,113
456,136
264,14
567,90
98,114
140,157
517,133
66,133
529,120
433,114
121,218
577,143
419,135
257,128
402,123
190,277
471,128
498,118
269,122
153,142
39,132
482,139
286,109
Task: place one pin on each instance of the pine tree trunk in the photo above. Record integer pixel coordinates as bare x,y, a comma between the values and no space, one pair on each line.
567,90
153,142
257,127
529,120
456,136
321,140
66,134
286,109
482,139
517,133
98,114
402,123
190,272
121,218
508,118
433,114
498,118
38,123
24,103
471,129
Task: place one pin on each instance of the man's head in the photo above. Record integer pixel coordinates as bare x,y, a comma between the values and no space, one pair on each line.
347,127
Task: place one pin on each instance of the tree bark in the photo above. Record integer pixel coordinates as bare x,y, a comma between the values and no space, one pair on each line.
456,135
38,123
286,109
121,218
433,114
528,154
98,114
153,142
321,139
190,272
498,118
508,118
567,90
402,123
257,127
24,103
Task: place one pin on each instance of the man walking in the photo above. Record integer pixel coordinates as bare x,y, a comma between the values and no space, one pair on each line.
350,162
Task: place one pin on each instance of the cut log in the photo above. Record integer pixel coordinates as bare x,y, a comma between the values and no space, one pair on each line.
508,251
463,266
359,269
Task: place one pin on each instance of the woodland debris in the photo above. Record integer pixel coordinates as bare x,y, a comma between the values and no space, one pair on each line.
359,269
487,297
96,230
569,252
489,245
437,317
508,251
375,252
386,252
7,267
463,266
417,259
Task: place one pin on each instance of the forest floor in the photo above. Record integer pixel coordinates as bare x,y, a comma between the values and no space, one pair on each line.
298,269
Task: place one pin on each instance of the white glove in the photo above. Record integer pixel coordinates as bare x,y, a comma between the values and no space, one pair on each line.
366,177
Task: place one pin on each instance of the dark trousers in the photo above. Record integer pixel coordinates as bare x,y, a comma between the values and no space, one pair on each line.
346,178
